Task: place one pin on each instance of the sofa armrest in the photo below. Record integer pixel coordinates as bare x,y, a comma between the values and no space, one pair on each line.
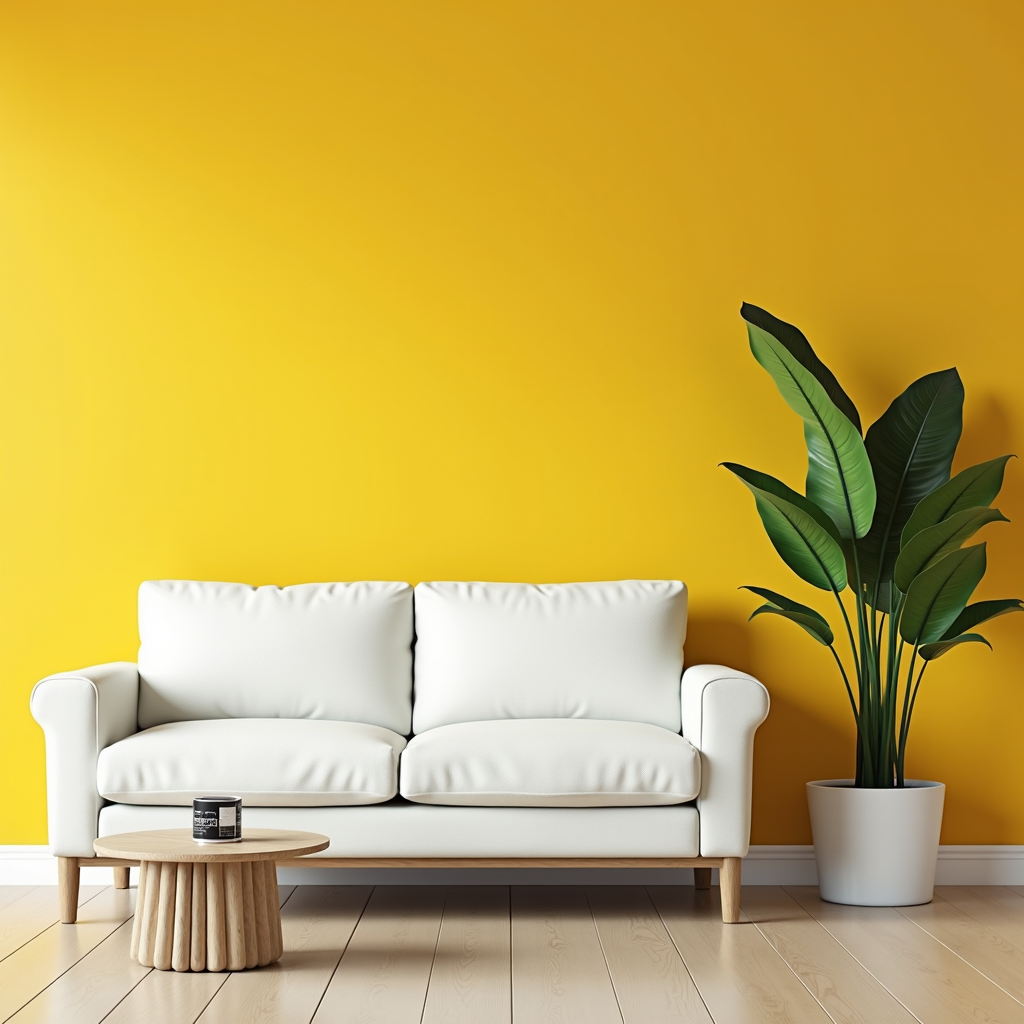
722,709
81,713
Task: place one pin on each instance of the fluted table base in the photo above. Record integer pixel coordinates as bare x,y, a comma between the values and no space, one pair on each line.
207,916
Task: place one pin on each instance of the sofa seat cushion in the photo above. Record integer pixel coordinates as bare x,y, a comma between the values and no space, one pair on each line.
401,829
268,762
550,763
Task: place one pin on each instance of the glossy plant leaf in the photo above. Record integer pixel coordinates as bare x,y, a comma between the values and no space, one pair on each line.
839,479
814,623
936,650
803,543
781,600
971,487
821,630
911,447
800,348
928,546
769,483
981,611
938,595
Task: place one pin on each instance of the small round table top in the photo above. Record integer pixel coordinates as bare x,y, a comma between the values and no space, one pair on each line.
176,844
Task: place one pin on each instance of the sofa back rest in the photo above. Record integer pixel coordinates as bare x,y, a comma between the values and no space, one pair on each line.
338,651
488,651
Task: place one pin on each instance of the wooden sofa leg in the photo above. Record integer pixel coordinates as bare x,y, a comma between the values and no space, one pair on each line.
702,878
729,876
67,884
122,876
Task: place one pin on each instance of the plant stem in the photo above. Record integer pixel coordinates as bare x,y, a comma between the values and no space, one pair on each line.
870,693
900,763
862,739
905,717
849,691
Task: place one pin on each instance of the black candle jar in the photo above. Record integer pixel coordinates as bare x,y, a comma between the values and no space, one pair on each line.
217,819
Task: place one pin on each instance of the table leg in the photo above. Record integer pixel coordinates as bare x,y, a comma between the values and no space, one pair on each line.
259,899
198,943
148,900
216,945
274,912
137,919
180,950
207,917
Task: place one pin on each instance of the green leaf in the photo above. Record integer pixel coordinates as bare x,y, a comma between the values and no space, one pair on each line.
935,542
768,483
804,544
800,348
971,487
981,611
839,479
936,650
814,623
938,595
811,620
911,447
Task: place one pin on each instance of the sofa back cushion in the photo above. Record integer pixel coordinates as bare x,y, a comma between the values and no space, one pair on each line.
338,651
487,651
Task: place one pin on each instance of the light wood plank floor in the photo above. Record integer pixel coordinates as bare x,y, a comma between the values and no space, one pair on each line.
494,955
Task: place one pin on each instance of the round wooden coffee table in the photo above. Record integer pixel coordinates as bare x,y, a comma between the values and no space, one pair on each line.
208,908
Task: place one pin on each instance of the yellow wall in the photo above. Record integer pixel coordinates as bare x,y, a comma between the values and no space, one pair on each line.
448,290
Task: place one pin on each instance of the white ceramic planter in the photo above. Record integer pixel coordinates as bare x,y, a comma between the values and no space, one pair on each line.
876,847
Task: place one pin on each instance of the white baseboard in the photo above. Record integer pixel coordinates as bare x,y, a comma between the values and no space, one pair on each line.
764,865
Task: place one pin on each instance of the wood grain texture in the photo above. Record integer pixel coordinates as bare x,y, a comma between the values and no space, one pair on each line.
729,876
252,956
929,979
216,937
651,983
197,937
122,877
133,951
740,977
996,907
68,877
164,940
11,893
177,844
149,901
182,929
23,919
234,911
382,978
318,922
471,981
984,949
264,917
90,989
848,993
38,963
274,895
558,969
166,997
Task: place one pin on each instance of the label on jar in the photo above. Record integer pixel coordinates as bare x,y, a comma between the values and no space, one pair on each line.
217,819
228,816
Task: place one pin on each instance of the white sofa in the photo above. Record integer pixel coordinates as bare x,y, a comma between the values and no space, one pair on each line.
471,724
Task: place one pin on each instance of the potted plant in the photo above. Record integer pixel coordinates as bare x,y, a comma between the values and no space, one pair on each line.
882,527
